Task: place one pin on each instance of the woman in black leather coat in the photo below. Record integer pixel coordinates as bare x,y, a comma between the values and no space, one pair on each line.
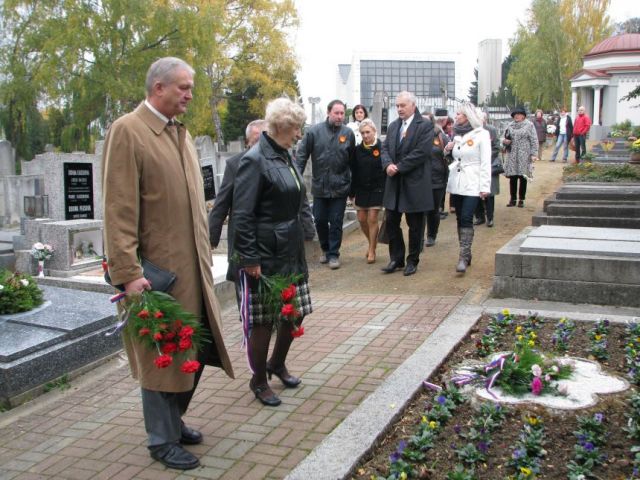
269,240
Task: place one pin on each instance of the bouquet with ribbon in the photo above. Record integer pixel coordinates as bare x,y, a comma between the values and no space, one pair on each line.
157,320
41,251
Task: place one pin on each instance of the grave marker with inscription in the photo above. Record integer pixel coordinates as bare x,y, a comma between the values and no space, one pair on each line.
78,190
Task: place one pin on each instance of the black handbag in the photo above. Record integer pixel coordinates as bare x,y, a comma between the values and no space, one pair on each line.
161,280
496,166
383,236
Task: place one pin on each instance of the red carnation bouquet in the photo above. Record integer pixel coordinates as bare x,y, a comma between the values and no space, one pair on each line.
279,293
158,321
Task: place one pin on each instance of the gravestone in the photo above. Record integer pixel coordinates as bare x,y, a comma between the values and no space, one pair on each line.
78,190
7,158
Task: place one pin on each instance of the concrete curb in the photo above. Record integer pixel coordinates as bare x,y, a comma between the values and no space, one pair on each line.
341,450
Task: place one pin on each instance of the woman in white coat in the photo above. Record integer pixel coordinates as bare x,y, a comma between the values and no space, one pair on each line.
469,174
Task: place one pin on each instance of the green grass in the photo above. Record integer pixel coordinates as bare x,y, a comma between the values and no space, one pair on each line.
595,172
61,383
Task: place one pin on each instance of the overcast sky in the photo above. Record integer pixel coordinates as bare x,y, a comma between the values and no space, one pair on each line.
331,30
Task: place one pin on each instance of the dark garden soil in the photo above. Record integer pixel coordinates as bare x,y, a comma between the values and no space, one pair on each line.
559,425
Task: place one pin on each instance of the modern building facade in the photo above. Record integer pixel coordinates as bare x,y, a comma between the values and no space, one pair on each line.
489,68
430,76
610,71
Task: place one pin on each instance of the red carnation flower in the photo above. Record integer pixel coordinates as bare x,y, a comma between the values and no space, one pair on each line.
190,366
288,293
158,314
144,331
157,336
185,343
288,310
297,332
143,314
177,324
163,361
186,332
169,336
169,348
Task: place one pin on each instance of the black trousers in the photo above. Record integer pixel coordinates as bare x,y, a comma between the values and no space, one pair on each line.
433,216
486,207
513,187
416,222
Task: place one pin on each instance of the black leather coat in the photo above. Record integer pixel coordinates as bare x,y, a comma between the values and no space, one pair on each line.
268,198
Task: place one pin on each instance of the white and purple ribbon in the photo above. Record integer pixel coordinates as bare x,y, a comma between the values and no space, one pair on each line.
245,317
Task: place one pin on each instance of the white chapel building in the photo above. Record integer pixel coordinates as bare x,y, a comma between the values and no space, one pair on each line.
610,71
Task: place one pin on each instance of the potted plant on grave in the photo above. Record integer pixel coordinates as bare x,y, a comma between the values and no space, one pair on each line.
634,148
18,293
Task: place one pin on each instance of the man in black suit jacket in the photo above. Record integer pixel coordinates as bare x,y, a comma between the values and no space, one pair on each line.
222,205
406,158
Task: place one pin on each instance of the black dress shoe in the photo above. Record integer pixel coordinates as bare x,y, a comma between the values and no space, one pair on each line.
173,455
189,436
270,401
511,203
520,203
410,269
431,241
478,221
490,223
285,377
392,267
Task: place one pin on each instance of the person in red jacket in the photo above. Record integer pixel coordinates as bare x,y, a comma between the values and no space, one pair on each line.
580,129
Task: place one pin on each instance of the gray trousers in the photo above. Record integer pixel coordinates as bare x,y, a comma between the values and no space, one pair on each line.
163,411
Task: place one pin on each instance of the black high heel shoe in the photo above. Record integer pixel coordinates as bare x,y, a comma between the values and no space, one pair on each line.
287,380
271,401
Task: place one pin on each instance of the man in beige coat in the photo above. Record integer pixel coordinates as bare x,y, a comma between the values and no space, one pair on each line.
154,208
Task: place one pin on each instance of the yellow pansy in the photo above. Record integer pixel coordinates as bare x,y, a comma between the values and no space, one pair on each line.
597,336
424,419
403,476
506,312
563,320
531,343
433,424
520,337
519,329
533,335
533,420
524,471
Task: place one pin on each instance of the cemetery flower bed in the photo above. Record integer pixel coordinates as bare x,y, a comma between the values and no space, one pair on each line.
454,434
595,172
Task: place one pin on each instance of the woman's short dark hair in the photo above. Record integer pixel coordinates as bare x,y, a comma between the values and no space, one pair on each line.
359,107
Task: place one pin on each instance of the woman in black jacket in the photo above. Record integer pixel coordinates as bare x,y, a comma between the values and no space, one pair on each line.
367,184
269,240
439,176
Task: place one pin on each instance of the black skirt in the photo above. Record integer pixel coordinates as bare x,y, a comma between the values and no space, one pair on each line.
366,199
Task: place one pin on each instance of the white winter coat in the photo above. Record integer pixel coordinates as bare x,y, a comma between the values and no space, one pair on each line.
470,172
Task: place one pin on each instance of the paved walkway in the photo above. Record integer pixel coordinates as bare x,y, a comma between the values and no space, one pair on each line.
95,430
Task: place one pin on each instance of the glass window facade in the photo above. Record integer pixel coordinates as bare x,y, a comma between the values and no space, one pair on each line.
423,78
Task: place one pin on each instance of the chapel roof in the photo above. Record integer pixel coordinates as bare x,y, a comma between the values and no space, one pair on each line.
627,42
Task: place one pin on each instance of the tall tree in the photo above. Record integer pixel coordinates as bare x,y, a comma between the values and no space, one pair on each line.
631,25
473,89
549,47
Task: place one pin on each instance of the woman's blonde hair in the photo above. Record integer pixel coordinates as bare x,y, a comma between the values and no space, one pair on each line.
283,113
473,114
367,122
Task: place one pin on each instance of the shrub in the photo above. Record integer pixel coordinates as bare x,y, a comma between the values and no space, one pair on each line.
594,172
18,293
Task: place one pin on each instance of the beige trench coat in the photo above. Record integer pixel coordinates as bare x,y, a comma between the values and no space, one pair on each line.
154,202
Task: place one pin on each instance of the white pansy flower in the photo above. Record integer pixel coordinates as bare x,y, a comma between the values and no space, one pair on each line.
536,370
38,246
24,282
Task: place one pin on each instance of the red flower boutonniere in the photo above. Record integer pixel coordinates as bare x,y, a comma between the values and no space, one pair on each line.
470,142
159,322
342,138
376,153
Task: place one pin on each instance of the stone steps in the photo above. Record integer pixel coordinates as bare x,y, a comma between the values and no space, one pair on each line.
571,264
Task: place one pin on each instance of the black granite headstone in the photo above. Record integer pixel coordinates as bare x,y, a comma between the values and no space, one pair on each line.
78,190
209,185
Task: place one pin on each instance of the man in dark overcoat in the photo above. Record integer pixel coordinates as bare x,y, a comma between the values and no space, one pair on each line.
406,159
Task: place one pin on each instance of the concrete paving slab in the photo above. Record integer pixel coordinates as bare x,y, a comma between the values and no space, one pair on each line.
587,233
577,246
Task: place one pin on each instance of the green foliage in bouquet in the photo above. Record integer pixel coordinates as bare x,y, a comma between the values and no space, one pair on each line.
18,293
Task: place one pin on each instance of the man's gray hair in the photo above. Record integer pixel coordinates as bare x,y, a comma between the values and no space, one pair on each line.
162,70
412,98
258,124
